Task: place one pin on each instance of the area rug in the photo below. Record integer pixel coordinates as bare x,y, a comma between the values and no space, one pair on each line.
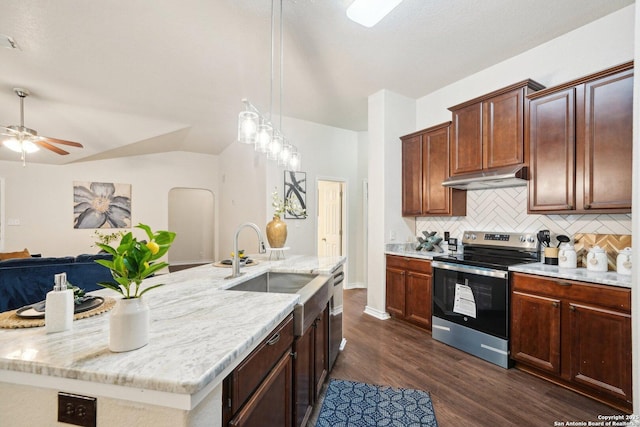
355,404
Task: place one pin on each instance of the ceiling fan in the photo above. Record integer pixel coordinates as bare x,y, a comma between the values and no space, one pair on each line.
25,140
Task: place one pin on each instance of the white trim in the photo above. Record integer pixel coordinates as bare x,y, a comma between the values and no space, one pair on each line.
2,227
355,285
382,315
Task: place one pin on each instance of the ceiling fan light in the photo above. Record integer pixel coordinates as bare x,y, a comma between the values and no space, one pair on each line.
17,146
369,12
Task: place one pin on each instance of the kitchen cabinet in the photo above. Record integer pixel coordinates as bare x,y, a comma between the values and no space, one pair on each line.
259,390
575,334
408,290
425,165
311,365
580,138
488,131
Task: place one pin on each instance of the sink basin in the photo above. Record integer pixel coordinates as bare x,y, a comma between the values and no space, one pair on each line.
314,290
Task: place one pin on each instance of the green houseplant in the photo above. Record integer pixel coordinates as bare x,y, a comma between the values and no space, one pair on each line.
132,262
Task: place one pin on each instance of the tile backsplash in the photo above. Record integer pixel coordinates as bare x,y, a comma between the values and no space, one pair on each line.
505,209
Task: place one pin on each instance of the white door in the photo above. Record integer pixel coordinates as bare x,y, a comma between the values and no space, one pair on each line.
330,194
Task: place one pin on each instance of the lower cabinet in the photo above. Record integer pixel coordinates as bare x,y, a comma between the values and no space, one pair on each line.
408,290
575,334
259,391
311,362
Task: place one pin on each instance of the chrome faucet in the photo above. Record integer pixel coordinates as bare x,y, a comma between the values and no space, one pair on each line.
235,261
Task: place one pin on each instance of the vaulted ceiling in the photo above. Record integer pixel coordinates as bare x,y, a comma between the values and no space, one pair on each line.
126,77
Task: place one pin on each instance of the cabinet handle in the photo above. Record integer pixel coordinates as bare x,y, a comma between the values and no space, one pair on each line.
274,339
555,304
564,283
572,307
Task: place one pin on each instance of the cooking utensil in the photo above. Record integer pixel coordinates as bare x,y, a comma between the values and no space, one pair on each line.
540,237
547,237
561,238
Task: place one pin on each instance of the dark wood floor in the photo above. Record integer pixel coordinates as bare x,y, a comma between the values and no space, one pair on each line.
466,391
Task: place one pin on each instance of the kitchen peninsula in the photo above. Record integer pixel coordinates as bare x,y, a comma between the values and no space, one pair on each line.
199,333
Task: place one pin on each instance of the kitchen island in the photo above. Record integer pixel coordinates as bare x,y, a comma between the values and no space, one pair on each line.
198,334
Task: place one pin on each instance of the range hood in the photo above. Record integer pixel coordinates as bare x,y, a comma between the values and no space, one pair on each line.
512,176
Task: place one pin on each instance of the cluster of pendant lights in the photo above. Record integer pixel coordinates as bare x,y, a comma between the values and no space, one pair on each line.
254,128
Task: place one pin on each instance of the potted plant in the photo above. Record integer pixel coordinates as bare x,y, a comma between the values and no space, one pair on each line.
132,262
276,228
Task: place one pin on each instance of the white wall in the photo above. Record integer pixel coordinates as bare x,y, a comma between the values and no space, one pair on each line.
40,196
635,226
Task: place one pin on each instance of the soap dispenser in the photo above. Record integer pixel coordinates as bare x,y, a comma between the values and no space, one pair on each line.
58,311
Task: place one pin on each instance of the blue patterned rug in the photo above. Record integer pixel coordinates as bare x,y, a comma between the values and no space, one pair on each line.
354,404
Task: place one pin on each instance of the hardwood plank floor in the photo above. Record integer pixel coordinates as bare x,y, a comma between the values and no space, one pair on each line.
466,391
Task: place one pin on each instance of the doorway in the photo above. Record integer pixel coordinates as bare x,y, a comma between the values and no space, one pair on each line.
331,218
191,217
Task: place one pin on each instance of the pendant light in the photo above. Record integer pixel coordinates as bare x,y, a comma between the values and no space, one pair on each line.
254,128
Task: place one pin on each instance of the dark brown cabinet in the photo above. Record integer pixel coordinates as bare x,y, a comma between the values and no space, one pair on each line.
425,165
310,366
259,391
408,290
580,137
488,131
575,334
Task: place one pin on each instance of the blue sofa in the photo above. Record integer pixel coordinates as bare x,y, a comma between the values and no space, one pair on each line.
26,281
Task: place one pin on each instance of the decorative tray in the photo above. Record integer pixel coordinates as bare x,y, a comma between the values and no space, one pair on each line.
36,311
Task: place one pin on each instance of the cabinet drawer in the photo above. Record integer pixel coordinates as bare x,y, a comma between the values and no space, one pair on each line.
246,378
601,295
410,264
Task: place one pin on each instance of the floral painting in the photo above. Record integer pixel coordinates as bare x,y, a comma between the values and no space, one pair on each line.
101,205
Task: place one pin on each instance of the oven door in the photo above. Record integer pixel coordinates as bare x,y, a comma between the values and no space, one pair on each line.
474,297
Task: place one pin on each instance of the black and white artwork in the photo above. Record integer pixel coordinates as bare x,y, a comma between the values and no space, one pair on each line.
295,190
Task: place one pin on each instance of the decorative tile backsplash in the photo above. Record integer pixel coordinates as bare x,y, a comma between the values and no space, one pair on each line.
505,209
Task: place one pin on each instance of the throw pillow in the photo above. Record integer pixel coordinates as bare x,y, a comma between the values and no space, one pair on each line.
11,255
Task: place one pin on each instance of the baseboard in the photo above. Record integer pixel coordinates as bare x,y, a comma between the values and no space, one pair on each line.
355,285
382,315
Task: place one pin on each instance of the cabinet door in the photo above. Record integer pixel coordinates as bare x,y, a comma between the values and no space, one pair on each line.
502,130
303,377
270,405
436,199
608,142
395,290
601,350
321,350
552,159
418,303
412,176
466,141
535,331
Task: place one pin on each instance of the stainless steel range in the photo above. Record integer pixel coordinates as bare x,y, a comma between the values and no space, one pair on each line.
471,292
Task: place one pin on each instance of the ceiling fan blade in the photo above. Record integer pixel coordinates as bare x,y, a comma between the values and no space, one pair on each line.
48,146
61,141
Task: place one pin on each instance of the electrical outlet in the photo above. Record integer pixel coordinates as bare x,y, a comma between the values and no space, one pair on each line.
77,410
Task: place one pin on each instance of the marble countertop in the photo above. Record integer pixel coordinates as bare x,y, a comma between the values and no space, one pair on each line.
580,274
198,331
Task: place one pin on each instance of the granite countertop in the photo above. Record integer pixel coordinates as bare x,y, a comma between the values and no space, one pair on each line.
408,250
198,332
581,274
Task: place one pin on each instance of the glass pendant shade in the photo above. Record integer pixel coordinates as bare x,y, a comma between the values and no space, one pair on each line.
294,161
285,154
247,127
275,147
265,132
17,146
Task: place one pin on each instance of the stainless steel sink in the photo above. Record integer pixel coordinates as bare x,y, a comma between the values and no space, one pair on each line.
314,290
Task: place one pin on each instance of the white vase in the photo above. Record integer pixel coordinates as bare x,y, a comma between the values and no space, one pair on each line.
129,325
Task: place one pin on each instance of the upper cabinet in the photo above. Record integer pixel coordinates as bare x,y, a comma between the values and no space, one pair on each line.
580,137
425,164
488,132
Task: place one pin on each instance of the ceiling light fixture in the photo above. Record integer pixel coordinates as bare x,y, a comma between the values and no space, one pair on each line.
369,12
254,128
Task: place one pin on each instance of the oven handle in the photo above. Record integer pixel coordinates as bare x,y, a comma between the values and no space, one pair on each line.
471,270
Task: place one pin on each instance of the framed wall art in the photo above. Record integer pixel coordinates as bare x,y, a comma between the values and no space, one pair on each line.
295,187
101,205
